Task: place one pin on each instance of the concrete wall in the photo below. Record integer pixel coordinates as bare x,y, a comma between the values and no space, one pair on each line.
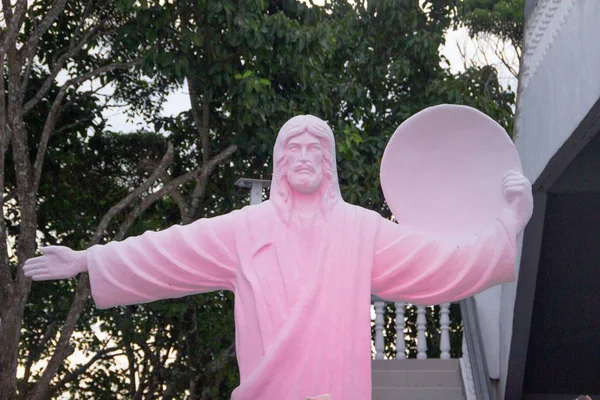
562,89
529,6
559,86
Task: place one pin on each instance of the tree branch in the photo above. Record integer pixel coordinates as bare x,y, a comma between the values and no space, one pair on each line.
120,206
130,358
501,54
171,186
13,22
30,47
29,54
203,129
88,94
82,293
191,339
5,274
102,70
35,352
46,133
9,196
463,54
148,165
72,125
7,11
217,365
158,368
57,7
178,374
184,208
151,367
56,106
148,201
43,90
63,348
202,123
100,355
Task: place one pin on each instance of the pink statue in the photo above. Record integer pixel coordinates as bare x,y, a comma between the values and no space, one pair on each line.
302,266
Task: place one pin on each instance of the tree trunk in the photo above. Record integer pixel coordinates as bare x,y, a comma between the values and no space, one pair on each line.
17,290
10,333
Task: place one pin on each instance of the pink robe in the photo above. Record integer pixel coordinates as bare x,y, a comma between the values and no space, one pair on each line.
301,330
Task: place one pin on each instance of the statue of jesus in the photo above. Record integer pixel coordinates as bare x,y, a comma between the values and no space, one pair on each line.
302,267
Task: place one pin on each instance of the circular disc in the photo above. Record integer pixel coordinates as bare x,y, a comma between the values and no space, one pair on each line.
442,170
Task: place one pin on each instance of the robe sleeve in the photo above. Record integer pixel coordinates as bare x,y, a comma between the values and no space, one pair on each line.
182,260
422,269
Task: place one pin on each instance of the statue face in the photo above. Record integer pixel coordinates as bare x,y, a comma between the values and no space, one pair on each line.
304,155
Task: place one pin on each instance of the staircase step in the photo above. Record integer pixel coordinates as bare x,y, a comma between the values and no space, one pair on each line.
383,393
416,365
423,379
412,379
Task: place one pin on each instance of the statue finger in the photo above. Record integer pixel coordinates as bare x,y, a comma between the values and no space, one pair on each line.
46,250
515,180
512,174
519,178
517,186
33,265
518,183
29,269
35,273
43,277
513,189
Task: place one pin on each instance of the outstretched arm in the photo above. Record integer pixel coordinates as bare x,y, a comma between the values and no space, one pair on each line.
424,269
178,261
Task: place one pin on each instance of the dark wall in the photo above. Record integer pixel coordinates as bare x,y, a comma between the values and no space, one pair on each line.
564,343
583,173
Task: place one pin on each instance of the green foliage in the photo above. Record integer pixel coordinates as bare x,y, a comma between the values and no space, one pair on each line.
365,68
503,18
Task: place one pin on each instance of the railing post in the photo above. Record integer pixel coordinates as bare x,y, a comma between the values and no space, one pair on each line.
379,323
421,339
400,326
445,328
400,340
256,187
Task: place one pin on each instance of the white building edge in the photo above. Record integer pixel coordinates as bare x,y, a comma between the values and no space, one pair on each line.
542,333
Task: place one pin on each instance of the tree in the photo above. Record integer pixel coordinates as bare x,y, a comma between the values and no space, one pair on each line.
496,22
85,40
38,41
502,18
248,66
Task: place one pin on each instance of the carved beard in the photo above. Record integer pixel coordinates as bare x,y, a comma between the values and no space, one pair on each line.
307,181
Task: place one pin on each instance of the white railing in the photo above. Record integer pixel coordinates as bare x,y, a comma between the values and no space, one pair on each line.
422,328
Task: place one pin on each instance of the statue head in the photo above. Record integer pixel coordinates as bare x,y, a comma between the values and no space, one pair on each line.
304,163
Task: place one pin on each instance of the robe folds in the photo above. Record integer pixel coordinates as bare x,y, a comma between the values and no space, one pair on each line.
301,330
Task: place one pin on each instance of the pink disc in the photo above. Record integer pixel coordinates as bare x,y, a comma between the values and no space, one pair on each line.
442,170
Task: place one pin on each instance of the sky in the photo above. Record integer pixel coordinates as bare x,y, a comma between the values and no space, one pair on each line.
475,51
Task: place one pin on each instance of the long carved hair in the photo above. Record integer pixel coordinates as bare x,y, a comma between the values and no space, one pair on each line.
281,192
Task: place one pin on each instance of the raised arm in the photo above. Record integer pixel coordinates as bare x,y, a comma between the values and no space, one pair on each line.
181,260
424,269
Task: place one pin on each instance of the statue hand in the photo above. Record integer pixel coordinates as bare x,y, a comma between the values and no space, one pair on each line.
519,198
57,262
